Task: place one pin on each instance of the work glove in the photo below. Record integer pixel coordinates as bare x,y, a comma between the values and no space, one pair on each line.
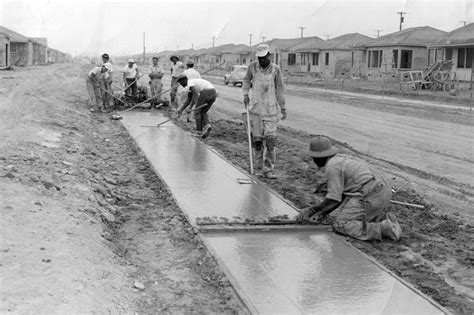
246,100
283,114
305,214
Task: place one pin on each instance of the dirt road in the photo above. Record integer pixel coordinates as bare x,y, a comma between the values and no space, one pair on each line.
86,226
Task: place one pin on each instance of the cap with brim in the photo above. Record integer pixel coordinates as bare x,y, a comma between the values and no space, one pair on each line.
174,57
155,58
181,76
321,146
330,152
190,62
106,56
262,50
131,60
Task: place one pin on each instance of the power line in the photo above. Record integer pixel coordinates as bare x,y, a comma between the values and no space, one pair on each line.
250,35
402,19
301,28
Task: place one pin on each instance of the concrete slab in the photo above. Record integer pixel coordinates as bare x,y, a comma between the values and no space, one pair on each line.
202,182
311,272
275,272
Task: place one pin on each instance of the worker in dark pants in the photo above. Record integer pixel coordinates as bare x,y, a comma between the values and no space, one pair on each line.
130,78
201,92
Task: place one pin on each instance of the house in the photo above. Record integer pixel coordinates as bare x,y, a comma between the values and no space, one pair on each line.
40,50
306,55
280,51
383,58
212,57
21,48
457,45
238,55
4,50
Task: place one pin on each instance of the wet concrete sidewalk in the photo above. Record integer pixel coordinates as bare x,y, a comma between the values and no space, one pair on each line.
274,272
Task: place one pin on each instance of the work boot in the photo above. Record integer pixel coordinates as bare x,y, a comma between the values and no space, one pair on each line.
391,228
206,131
269,175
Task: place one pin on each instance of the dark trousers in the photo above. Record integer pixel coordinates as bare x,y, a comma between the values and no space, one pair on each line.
208,97
132,88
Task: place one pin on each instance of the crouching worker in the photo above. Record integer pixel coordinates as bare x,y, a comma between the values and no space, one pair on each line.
93,87
361,195
201,96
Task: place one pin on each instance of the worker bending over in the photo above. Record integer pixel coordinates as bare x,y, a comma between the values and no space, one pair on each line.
361,194
201,92
93,87
267,99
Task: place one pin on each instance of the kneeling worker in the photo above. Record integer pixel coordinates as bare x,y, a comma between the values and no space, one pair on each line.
201,92
360,194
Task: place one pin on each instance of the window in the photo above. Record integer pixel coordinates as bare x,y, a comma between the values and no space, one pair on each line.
326,60
244,60
315,59
13,49
276,58
449,54
465,57
291,59
303,59
352,60
395,59
374,58
405,59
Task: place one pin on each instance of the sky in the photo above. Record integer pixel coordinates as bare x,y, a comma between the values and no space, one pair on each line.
93,27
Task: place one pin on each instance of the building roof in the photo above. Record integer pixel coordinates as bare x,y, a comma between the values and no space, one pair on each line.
309,45
5,35
415,36
462,36
345,42
14,36
287,43
41,40
238,49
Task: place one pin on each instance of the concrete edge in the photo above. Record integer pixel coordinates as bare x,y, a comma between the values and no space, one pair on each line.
215,228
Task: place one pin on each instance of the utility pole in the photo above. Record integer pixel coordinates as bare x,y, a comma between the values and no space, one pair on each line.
464,22
213,40
402,19
263,39
177,47
327,36
378,32
192,46
250,35
301,28
143,47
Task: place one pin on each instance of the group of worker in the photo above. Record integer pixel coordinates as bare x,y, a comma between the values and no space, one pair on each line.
357,196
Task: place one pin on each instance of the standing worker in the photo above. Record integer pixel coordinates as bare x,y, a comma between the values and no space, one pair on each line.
200,92
156,73
267,98
361,194
93,87
130,78
176,69
106,81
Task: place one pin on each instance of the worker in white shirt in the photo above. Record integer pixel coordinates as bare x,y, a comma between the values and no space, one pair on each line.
201,92
106,81
130,78
190,74
156,73
177,68
93,87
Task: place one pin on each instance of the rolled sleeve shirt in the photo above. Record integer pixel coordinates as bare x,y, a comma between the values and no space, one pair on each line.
130,73
346,175
267,89
156,70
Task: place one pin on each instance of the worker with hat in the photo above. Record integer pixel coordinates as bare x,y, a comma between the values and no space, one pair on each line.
201,96
177,68
106,80
360,194
156,73
94,89
130,78
265,105
190,74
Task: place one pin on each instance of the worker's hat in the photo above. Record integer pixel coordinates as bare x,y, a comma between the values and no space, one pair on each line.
190,62
107,66
262,50
105,56
155,57
174,56
181,76
131,60
320,146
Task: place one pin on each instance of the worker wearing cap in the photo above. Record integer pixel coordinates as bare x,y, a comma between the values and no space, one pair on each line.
130,77
177,68
360,194
201,92
190,74
156,73
93,87
106,81
264,106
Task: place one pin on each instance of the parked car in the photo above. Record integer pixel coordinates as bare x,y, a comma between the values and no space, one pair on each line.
236,76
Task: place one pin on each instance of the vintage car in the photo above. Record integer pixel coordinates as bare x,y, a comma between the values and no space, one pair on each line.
236,76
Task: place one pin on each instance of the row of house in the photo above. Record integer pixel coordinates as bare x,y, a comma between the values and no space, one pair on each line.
352,55
19,50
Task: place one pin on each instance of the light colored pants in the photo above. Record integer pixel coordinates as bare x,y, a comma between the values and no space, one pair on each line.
95,97
360,217
106,85
156,87
263,131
